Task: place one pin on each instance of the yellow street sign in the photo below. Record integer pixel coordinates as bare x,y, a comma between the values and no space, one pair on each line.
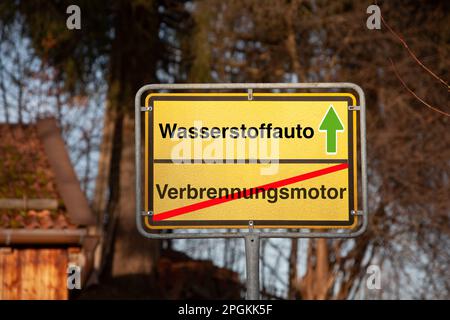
267,161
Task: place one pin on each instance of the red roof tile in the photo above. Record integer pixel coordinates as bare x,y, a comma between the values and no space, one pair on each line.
24,168
44,219
25,172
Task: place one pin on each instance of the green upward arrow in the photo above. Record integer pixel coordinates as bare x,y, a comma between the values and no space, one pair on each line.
331,124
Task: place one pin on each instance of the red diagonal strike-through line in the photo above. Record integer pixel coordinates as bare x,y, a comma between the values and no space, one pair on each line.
237,195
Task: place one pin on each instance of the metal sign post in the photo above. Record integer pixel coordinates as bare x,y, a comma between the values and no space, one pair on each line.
252,266
147,220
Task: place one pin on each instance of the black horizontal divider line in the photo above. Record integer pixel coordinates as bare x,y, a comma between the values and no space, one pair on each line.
247,161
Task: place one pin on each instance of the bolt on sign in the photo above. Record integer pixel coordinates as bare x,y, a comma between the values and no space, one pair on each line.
267,160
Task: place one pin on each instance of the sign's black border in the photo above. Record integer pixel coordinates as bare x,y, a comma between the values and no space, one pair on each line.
244,223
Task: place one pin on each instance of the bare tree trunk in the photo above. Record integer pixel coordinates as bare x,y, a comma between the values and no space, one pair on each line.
305,284
133,254
101,182
99,203
322,269
293,258
126,251
318,280
291,42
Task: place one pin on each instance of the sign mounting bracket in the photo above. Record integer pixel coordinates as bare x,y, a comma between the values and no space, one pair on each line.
146,109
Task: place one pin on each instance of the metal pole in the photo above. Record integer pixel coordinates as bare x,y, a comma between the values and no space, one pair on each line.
252,266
